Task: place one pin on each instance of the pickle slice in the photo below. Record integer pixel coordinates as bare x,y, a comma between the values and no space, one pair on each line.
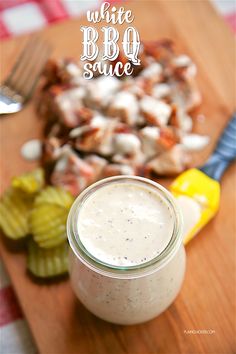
30,182
47,263
55,195
48,225
14,213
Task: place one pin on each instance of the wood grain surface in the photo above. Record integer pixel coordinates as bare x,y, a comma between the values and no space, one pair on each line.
59,323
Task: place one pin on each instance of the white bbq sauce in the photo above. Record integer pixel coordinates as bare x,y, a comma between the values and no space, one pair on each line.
125,224
32,150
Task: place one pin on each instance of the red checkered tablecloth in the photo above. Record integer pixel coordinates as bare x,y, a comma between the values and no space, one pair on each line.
23,16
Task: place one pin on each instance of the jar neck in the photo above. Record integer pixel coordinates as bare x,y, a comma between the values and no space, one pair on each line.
124,271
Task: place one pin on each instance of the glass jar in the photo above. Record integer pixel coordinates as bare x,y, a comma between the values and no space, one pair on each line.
126,294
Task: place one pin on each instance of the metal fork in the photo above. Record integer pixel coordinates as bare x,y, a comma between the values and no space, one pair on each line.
17,89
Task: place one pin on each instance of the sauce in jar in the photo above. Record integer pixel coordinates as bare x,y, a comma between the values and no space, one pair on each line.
127,261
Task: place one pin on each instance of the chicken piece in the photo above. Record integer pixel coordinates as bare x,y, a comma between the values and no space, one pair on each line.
184,67
156,112
100,91
162,90
134,161
78,131
127,144
118,169
160,50
84,115
143,87
127,149
135,86
195,142
70,72
185,90
153,72
65,71
89,138
124,105
97,136
157,140
180,119
192,95
169,136
108,126
186,95
51,149
50,72
72,173
169,163
121,127
149,137
97,163
69,103
46,103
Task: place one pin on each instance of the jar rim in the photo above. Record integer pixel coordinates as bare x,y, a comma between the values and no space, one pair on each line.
109,269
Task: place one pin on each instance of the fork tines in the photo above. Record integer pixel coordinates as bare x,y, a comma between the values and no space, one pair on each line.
28,68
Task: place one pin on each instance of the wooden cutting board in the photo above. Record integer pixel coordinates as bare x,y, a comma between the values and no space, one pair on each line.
59,323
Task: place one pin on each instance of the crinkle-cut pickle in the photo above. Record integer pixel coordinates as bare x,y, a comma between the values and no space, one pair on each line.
48,225
45,263
31,182
15,209
55,195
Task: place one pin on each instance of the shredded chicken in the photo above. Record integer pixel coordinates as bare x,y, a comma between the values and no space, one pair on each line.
108,126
